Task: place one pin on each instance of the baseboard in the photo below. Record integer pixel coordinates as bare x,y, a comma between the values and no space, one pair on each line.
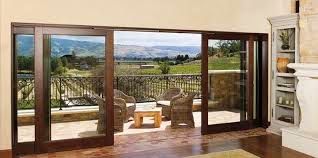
6,153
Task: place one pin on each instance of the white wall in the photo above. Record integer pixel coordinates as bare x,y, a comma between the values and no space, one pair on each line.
213,15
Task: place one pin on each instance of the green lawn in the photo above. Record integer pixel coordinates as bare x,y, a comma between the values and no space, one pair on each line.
226,63
215,63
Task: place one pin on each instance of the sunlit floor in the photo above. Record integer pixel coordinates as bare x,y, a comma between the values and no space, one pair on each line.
88,128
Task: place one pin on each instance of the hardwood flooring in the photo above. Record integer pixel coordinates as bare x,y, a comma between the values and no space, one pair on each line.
183,143
265,146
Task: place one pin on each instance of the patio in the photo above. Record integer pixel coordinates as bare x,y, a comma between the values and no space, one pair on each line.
87,128
75,116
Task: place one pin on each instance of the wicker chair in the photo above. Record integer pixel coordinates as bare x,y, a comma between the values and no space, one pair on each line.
129,101
181,111
165,99
119,114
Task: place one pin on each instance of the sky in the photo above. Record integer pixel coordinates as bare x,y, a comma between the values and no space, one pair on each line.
144,38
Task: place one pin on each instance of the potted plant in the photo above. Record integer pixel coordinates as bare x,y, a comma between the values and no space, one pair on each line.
285,36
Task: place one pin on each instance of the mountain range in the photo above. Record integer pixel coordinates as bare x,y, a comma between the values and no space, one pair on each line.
60,47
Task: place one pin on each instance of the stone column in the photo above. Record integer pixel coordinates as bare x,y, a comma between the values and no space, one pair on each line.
308,24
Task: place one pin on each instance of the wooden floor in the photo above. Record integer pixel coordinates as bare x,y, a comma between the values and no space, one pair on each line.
267,146
262,145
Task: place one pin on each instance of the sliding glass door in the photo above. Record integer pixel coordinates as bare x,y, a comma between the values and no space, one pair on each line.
63,77
229,82
63,81
76,75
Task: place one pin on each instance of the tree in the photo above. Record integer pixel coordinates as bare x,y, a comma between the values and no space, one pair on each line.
73,53
164,67
25,62
57,66
91,60
228,47
64,62
186,57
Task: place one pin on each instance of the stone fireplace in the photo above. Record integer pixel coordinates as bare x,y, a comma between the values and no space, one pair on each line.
305,137
308,24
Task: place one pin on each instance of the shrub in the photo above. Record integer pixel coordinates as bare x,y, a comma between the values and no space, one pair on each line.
164,67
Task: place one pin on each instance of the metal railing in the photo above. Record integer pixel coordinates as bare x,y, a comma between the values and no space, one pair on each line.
73,91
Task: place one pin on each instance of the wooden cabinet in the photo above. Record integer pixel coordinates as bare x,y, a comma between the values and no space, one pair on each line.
285,49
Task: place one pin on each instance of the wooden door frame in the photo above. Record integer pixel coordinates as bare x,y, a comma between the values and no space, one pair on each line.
28,28
42,143
261,90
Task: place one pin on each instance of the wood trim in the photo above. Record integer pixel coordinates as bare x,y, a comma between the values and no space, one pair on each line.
73,31
40,98
6,153
264,84
250,79
235,126
231,36
204,83
118,28
14,115
74,144
22,30
109,87
24,148
17,147
243,66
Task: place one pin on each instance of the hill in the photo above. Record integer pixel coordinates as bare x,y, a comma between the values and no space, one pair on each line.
62,47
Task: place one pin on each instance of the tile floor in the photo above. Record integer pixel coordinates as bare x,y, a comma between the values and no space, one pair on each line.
88,128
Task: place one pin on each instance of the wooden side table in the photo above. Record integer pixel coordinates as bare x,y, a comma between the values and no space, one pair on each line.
141,113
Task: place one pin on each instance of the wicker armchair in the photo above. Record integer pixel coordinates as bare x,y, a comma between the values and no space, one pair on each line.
164,100
119,114
181,111
129,101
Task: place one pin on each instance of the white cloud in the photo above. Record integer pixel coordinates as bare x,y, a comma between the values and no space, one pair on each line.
143,38
157,38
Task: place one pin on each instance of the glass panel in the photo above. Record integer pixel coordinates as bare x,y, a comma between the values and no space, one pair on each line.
152,68
76,85
227,81
24,51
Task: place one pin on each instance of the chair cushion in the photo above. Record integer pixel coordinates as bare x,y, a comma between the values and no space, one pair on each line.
164,102
170,94
130,104
197,102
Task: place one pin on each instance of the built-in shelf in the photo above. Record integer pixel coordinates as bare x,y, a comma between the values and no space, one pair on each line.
285,89
286,51
284,84
285,74
283,123
285,106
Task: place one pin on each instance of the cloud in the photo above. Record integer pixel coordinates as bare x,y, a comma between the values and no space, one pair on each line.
157,38
98,39
143,38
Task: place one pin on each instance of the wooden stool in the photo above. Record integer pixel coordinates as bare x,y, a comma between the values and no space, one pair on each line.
140,113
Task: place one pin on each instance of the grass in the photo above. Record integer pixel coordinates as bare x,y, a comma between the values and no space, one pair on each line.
225,63
29,104
193,67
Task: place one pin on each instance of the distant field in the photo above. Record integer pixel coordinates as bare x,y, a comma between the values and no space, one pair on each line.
226,63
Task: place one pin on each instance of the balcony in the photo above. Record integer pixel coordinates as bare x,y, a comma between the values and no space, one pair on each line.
74,115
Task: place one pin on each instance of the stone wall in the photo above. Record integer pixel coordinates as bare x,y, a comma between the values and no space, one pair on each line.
308,24
62,116
224,88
